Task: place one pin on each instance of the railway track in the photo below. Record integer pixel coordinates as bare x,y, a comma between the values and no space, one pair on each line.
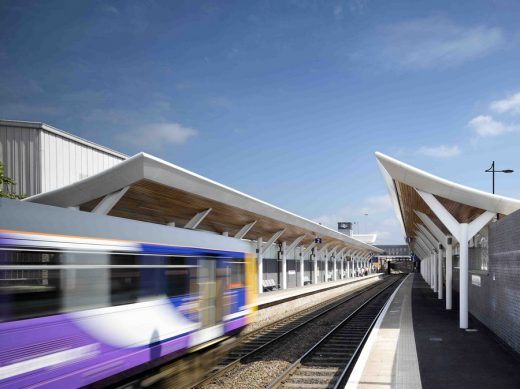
329,362
258,347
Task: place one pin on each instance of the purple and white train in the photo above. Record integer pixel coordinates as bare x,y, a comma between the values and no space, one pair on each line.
85,298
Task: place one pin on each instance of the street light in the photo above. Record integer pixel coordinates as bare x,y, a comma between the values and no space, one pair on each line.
492,170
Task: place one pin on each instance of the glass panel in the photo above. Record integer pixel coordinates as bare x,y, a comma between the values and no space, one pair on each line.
28,292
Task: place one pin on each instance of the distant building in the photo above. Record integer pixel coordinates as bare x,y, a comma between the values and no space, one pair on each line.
41,158
395,250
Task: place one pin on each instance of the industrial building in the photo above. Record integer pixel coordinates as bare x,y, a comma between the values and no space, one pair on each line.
41,158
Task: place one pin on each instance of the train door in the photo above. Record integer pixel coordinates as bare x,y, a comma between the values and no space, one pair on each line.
211,288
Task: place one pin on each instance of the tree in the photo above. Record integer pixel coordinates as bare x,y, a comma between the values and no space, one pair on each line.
7,183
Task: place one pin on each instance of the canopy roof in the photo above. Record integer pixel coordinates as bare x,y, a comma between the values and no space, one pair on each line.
464,203
149,189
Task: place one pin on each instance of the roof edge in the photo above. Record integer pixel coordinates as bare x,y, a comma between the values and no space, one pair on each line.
65,134
448,189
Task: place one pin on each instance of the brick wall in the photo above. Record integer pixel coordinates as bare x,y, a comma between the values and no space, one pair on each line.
496,303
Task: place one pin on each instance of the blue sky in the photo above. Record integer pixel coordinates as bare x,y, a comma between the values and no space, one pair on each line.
284,100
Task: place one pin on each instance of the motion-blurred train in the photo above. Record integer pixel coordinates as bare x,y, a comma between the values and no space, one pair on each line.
84,297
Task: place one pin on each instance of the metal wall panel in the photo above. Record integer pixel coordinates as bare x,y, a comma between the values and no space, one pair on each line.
65,161
20,154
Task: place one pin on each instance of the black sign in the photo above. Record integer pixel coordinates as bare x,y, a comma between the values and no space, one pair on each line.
317,240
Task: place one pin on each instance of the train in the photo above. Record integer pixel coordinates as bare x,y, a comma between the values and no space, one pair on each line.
87,298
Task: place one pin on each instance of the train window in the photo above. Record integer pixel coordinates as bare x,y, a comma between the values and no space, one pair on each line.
181,277
237,273
124,279
27,287
85,280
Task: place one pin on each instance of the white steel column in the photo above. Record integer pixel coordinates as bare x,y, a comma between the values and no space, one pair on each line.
292,249
326,256
309,250
340,256
449,272
434,244
429,248
434,271
315,264
260,260
284,265
334,275
302,267
439,273
464,275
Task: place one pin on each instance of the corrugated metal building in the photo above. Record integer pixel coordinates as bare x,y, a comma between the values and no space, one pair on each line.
41,158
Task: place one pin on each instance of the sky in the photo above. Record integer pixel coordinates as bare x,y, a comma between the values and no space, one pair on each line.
286,101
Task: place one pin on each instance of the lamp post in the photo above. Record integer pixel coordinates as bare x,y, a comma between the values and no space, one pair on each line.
493,171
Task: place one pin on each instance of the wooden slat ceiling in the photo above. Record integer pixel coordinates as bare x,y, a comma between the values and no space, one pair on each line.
156,203
410,201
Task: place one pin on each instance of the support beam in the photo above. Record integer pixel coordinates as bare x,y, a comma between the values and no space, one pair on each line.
244,230
442,213
295,243
462,232
271,240
109,201
432,227
309,248
428,235
197,219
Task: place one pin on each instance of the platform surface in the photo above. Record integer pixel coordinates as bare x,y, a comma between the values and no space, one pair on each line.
416,343
276,296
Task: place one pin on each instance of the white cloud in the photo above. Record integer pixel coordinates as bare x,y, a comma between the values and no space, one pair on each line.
441,151
380,202
158,135
510,104
485,125
438,42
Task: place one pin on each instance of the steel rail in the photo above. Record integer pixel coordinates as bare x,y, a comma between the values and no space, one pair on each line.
319,312
291,369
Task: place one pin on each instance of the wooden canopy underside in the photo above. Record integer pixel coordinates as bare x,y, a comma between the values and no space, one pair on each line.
156,203
410,201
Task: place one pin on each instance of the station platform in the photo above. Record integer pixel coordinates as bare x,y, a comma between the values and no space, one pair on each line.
416,343
275,297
